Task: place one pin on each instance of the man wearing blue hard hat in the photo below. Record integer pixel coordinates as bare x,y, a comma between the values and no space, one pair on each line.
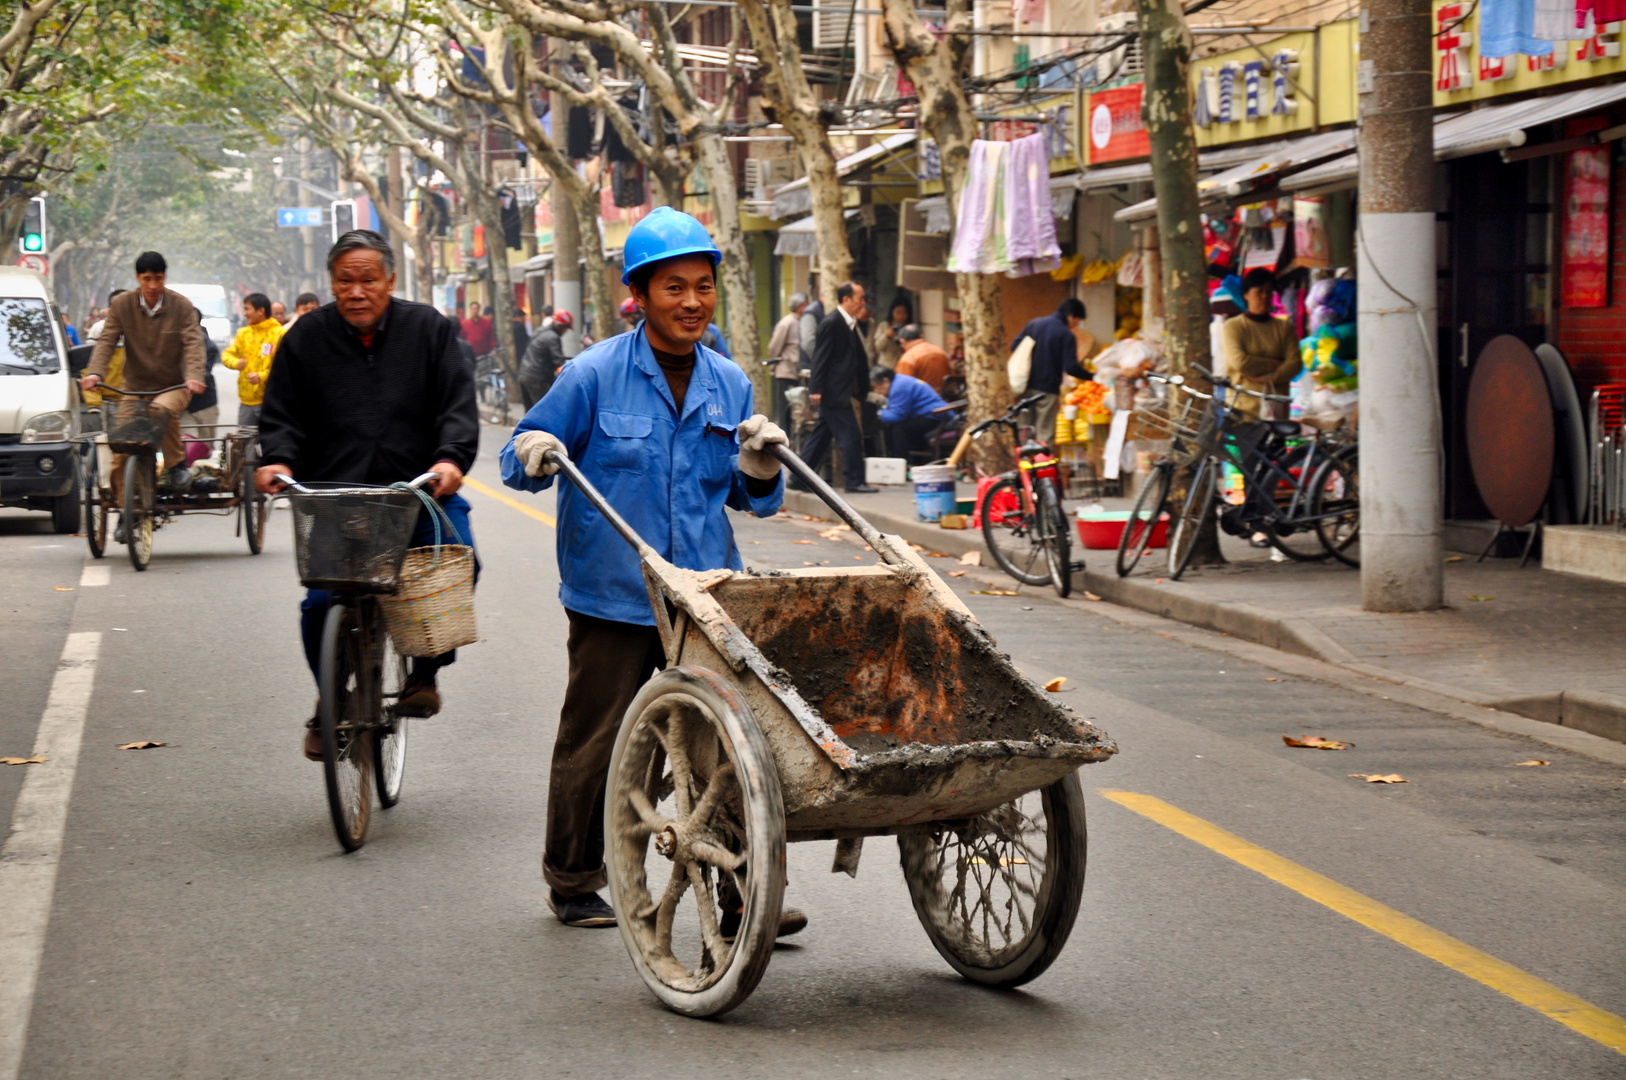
664,427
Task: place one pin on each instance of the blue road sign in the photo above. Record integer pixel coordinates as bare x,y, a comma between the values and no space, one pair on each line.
296,217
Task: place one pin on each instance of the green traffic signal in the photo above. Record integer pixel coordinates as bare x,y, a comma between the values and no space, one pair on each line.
33,242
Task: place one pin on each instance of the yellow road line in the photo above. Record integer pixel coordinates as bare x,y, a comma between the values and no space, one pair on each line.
1573,1012
493,493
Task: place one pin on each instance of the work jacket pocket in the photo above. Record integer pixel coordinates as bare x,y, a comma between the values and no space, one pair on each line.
625,440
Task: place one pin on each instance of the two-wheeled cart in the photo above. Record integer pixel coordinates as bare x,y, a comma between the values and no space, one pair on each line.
835,704
137,430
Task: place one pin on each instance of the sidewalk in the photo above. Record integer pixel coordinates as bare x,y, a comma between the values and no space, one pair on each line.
1544,645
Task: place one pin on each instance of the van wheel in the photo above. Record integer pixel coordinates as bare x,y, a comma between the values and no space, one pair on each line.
65,514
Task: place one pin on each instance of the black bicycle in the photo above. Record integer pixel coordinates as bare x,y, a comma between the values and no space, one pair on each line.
352,540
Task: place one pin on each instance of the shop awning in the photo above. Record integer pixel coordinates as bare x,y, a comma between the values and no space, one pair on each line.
536,264
797,238
1478,131
1062,191
1264,164
795,198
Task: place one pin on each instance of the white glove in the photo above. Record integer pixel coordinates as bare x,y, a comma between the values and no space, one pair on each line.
878,398
757,433
530,447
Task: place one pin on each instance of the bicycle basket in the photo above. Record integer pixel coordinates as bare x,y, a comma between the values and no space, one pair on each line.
350,539
138,428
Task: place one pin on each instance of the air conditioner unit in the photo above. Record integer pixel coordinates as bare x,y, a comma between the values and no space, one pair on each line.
763,175
831,28
1124,61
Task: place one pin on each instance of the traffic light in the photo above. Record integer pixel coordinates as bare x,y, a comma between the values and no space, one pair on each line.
344,217
31,240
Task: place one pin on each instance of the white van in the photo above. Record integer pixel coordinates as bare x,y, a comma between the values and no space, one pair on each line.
210,300
39,403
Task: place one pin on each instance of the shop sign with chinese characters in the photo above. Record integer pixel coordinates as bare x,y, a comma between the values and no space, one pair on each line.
1462,74
1114,126
1585,266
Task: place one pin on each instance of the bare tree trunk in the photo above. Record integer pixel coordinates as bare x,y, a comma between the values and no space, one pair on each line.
734,270
488,212
934,66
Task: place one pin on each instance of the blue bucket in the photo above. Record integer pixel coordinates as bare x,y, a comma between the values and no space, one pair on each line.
934,492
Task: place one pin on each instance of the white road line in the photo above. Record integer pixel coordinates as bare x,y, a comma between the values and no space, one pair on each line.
28,862
95,574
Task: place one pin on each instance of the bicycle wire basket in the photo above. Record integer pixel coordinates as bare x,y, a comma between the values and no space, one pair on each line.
353,538
1179,416
138,427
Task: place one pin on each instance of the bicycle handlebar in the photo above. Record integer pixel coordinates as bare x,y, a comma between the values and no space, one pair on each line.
102,388
288,480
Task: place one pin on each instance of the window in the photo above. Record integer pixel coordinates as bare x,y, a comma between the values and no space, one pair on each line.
27,345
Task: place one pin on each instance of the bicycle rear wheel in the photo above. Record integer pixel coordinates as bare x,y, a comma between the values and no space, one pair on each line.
390,740
1335,502
1051,522
1009,531
347,764
140,497
1295,534
1193,513
1149,507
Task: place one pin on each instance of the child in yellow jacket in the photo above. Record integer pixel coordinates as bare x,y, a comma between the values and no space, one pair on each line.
250,354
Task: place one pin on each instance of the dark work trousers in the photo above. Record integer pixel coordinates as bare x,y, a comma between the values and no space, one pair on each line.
909,435
609,662
838,422
313,609
531,391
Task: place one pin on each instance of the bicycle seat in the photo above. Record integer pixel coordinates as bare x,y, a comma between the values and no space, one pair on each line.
1284,427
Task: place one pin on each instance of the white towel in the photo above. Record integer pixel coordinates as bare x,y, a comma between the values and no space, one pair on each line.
1555,21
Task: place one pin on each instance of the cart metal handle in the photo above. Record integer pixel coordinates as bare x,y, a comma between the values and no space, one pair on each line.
600,503
843,509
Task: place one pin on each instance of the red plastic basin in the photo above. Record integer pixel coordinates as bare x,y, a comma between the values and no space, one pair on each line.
1102,530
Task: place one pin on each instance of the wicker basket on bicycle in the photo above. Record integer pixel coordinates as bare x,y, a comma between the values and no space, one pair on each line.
349,539
138,427
1179,416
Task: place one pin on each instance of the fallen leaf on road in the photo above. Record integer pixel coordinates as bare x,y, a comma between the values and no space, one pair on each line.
1380,778
810,517
64,588
1055,684
938,555
917,547
1026,608
1482,598
144,744
22,761
1159,581
956,573
993,592
971,558
1090,596
758,543
1453,558
807,542
1272,678
1532,761
1316,742
835,533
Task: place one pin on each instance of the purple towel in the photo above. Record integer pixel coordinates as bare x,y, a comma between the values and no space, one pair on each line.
1030,229
976,214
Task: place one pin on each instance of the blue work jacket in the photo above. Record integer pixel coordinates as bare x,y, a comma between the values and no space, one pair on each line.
668,476
909,398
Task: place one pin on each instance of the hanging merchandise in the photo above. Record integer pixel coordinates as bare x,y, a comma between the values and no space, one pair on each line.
1507,28
1560,20
1030,225
1266,237
510,216
1069,269
1131,269
628,185
1584,273
1218,247
579,133
1311,245
972,252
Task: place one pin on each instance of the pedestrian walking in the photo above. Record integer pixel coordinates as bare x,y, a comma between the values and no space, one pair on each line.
840,382
1261,353
329,416
664,427
279,312
785,351
923,360
477,332
1055,352
543,358
250,354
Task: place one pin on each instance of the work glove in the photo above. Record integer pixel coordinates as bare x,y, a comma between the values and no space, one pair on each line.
878,398
757,434
530,446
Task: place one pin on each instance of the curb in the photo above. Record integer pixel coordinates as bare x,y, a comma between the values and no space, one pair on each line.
1596,714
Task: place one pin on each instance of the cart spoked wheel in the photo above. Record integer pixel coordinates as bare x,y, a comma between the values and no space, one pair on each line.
95,512
347,757
998,894
390,740
694,830
140,501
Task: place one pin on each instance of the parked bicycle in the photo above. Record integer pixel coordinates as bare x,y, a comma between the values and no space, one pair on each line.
1300,490
353,541
1023,522
491,389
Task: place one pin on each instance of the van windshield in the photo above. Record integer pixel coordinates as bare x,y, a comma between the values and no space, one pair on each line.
27,345
208,299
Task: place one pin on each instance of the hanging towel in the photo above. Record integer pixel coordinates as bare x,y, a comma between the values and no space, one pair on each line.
1555,21
1030,231
976,215
1508,27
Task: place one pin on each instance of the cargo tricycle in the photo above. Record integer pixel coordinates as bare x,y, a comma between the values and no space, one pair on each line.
835,704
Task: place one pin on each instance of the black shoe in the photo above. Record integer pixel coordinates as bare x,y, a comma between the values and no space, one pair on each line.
178,479
419,698
121,535
791,921
863,489
587,909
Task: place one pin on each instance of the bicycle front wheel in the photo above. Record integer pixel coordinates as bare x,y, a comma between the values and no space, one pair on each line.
1293,533
1335,503
390,740
346,751
1193,513
1010,531
140,497
1052,524
1149,507
95,512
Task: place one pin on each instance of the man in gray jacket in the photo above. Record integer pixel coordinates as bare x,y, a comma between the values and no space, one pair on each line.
544,356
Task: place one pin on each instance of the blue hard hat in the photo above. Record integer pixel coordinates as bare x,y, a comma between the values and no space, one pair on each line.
665,234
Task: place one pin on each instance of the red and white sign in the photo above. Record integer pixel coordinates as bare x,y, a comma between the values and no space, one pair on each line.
1452,42
36,263
1584,266
1116,130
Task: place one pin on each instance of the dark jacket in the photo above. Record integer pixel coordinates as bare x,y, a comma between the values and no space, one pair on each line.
544,356
211,394
1055,350
840,364
341,411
